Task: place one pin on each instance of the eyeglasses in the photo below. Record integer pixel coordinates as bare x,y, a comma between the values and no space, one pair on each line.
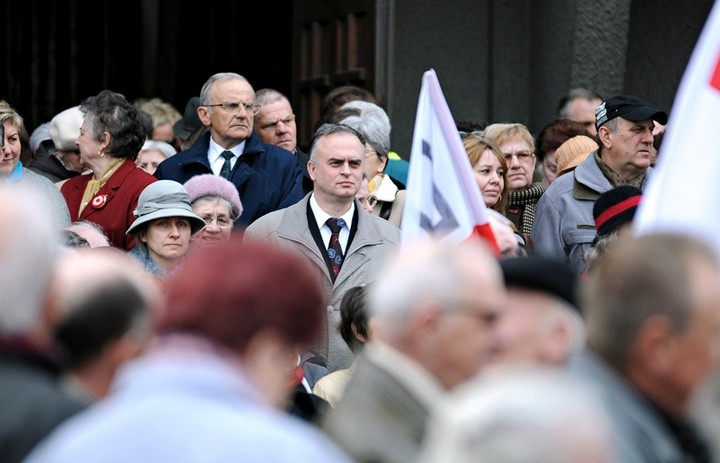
520,155
221,221
232,107
463,135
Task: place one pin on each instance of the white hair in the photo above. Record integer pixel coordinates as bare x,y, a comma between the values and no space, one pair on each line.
29,247
536,415
166,149
434,271
372,122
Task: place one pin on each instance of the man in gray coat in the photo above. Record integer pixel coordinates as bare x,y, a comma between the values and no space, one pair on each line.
336,163
564,227
651,307
434,314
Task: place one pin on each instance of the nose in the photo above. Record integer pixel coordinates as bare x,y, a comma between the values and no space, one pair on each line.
282,128
212,225
513,162
648,136
174,230
494,178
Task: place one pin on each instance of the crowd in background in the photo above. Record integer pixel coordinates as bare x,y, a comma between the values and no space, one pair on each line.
205,287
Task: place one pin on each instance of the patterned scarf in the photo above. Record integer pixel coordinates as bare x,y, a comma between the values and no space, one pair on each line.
527,201
614,178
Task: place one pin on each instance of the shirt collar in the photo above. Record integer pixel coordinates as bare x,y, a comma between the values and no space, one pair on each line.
214,150
321,216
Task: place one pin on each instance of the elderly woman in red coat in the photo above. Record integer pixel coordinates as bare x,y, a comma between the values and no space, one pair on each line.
110,138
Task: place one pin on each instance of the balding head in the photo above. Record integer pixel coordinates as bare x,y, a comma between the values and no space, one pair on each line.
439,303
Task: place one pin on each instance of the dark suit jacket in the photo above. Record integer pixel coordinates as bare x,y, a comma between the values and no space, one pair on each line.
267,177
113,205
32,402
303,159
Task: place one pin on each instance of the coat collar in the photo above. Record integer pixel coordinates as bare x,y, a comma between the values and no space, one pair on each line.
107,192
367,234
198,153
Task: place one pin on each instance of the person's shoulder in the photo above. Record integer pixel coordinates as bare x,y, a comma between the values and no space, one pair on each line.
389,232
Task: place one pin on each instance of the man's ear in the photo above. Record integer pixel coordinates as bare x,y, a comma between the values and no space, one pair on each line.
604,136
203,115
655,346
311,170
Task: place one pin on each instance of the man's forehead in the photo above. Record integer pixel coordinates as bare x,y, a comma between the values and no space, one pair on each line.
642,123
230,86
339,142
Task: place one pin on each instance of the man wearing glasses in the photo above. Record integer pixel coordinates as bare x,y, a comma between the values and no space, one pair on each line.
565,227
266,176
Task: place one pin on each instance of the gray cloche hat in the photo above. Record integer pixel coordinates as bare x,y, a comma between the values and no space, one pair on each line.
164,198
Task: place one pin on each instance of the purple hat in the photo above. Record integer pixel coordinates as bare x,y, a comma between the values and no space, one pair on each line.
205,185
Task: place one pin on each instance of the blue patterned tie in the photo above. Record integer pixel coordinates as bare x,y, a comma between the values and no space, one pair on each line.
334,250
225,171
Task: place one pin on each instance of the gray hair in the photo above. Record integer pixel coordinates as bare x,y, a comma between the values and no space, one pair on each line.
371,121
166,149
326,130
269,95
207,87
29,248
532,415
565,105
434,271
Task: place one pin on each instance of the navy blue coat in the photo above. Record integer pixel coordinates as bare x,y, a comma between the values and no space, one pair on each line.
267,177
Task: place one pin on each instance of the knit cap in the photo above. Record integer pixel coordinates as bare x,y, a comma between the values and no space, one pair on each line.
615,208
574,151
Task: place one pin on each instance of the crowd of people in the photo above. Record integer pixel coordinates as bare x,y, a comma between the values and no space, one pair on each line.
205,287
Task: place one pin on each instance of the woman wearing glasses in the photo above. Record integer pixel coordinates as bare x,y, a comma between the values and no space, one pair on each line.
111,135
518,148
374,125
217,202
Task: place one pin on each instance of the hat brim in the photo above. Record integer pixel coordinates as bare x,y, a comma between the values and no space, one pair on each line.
574,162
645,113
182,130
196,223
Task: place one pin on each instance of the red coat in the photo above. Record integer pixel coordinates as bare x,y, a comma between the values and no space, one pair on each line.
112,207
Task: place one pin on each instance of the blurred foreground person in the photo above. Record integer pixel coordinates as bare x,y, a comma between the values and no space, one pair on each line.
652,309
105,317
31,399
542,323
226,351
434,312
520,416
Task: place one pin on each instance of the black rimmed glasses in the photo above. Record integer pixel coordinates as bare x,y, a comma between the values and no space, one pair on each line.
233,107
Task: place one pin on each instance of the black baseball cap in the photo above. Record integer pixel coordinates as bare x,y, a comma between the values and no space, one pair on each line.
628,107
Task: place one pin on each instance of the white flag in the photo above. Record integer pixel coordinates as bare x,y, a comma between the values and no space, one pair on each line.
683,193
442,196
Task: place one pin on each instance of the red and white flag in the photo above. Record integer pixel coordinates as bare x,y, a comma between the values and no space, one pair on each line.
442,197
683,193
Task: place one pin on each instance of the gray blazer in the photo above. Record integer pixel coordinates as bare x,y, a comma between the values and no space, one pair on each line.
378,419
374,240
